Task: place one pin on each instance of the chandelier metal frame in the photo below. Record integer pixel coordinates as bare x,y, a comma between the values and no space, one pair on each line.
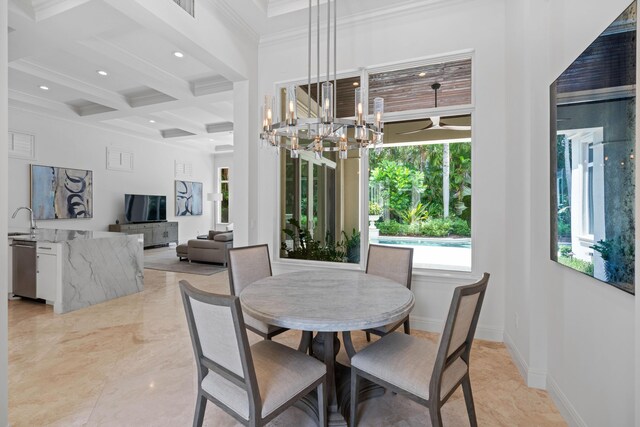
324,132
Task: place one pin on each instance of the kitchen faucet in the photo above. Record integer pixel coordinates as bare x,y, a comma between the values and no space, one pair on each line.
33,220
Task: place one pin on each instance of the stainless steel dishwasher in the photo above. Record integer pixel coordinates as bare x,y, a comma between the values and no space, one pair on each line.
24,268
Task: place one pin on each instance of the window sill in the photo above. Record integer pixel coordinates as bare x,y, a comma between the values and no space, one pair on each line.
424,271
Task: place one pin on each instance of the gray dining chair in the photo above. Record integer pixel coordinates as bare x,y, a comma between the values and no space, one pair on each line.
246,265
394,263
426,372
252,384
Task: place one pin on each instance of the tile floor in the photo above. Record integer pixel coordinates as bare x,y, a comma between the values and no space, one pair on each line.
129,362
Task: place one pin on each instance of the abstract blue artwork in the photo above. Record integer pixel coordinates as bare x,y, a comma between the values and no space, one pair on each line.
188,198
61,193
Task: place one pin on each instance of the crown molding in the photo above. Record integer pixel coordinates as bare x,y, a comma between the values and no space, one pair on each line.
234,18
44,9
397,9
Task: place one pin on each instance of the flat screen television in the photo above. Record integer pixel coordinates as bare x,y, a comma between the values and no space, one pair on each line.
145,208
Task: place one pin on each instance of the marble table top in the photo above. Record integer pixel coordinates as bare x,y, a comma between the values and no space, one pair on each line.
327,300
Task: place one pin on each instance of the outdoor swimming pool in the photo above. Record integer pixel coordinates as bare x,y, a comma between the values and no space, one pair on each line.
436,253
416,241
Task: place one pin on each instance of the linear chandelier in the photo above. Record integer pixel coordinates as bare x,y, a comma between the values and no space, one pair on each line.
322,131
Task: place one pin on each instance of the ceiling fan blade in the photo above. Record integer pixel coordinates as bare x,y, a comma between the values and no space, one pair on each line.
411,132
453,127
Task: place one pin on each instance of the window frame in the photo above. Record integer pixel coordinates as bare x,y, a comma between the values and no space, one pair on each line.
220,182
465,109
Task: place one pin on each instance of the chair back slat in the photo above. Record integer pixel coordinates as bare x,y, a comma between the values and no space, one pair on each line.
391,262
459,330
247,265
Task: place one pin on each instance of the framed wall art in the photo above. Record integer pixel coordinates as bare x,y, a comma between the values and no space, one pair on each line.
61,193
188,198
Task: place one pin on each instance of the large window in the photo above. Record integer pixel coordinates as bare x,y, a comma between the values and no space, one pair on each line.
223,180
320,198
419,184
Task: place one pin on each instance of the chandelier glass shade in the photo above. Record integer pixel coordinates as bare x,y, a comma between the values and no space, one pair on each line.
321,131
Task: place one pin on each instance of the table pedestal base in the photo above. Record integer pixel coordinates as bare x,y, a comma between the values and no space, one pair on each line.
325,348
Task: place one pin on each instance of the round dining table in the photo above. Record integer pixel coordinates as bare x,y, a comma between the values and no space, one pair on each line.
328,302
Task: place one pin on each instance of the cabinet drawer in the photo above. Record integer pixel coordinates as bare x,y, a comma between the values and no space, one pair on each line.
47,248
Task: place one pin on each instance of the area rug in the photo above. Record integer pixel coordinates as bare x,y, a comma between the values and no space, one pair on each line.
170,262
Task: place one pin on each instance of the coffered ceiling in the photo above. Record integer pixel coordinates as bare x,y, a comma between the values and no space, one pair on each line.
58,47
62,45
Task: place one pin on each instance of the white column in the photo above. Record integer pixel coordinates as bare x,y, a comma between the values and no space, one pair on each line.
445,180
244,173
239,200
4,179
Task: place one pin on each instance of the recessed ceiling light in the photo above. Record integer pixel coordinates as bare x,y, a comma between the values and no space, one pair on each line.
102,73
422,74
356,84
152,121
43,87
178,54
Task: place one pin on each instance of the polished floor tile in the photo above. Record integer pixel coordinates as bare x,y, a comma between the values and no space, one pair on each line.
129,362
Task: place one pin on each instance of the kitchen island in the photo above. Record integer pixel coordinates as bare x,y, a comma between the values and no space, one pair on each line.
76,269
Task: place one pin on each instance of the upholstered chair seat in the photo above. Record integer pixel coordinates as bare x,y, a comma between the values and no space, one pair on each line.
251,383
410,369
422,370
281,373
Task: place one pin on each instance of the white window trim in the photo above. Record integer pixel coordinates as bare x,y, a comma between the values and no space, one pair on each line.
220,182
364,165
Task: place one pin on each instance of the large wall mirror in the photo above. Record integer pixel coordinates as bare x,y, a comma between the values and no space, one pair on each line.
593,128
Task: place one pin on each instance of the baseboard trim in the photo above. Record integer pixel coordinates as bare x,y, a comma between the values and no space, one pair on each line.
563,404
535,378
434,325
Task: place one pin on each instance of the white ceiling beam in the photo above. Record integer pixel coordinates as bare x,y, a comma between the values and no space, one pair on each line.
45,9
177,121
42,103
90,92
224,110
164,106
136,67
210,37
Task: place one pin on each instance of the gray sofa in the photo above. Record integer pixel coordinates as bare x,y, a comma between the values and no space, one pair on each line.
213,249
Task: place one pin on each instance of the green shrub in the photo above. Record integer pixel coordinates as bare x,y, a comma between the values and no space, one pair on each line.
564,229
414,215
435,227
392,228
565,251
460,227
577,264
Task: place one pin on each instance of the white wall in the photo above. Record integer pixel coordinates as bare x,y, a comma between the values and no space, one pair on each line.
4,183
574,334
399,37
66,144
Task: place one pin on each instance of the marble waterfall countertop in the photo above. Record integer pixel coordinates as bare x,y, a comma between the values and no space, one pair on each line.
57,236
91,266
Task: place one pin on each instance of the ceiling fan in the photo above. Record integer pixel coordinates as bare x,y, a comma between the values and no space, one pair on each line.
435,122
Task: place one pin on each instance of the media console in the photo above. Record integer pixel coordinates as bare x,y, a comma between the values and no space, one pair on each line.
155,233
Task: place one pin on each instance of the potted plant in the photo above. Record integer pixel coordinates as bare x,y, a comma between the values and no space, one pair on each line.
375,210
